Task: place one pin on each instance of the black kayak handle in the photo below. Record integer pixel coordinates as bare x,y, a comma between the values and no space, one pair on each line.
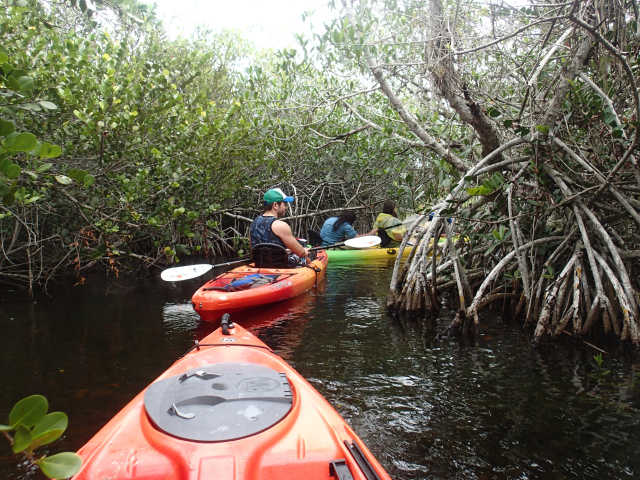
226,324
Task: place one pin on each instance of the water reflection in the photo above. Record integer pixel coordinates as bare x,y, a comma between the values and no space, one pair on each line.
179,316
492,409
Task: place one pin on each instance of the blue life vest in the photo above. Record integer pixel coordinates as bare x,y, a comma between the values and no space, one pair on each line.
260,231
255,279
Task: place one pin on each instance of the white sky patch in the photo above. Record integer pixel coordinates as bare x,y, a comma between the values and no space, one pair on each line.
266,23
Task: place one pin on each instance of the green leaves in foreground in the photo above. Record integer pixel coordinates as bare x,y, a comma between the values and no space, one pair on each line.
60,465
33,427
28,411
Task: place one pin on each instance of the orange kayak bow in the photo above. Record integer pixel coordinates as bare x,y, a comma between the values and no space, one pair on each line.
230,409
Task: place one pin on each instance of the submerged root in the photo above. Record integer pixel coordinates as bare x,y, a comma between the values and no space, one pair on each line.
579,300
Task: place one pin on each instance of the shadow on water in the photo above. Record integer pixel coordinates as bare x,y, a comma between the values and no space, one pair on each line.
491,409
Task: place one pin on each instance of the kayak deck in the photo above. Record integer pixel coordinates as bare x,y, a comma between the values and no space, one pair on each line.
230,292
242,381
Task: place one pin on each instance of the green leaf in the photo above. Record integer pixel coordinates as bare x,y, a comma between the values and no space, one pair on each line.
20,142
49,429
6,127
44,167
4,58
28,411
48,105
479,190
63,179
32,199
60,465
12,171
32,107
493,112
21,440
88,180
77,174
4,165
617,133
49,150
507,123
24,83
544,129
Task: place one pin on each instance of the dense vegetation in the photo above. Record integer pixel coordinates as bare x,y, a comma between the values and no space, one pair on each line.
122,148
122,145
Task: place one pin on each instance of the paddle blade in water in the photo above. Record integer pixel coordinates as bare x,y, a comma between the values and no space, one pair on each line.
368,241
187,272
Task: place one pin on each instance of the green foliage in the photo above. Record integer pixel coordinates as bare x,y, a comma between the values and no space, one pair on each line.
500,233
32,428
498,236
488,186
598,359
28,411
145,134
20,148
600,372
493,112
148,139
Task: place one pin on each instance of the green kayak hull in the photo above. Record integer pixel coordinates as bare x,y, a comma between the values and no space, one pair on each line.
363,255
370,254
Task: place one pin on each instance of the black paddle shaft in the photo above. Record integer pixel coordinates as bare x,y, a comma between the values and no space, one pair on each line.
313,249
248,258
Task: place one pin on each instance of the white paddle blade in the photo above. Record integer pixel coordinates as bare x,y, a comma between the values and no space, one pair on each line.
368,241
177,274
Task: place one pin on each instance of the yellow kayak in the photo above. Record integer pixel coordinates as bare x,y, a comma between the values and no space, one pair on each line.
370,254
362,255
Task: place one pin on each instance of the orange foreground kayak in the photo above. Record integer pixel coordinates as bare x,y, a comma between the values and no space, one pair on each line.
248,287
229,409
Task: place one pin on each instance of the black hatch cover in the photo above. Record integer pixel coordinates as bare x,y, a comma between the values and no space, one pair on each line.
220,402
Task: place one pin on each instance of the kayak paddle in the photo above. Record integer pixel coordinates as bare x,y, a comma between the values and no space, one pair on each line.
187,272
177,274
367,241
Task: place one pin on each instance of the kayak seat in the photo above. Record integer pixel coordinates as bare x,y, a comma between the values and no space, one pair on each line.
314,238
246,282
385,239
269,255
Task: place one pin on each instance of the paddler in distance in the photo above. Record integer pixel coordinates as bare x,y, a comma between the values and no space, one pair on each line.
388,226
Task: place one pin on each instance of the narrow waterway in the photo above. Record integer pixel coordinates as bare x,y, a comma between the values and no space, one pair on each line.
492,409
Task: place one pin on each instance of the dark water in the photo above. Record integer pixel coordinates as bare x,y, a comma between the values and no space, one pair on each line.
491,409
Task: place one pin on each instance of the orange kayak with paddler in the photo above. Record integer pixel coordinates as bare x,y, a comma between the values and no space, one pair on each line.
249,287
230,409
